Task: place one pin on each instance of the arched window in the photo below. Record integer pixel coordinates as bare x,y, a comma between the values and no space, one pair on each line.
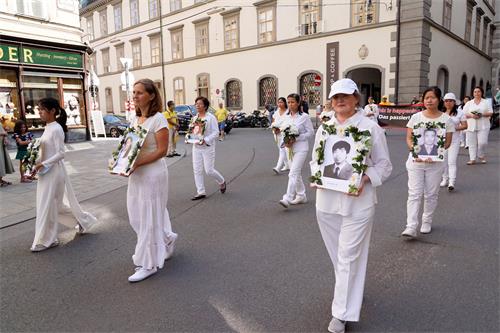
268,92
233,94
472,85
442,79
310,86
463,86
203,84
481,83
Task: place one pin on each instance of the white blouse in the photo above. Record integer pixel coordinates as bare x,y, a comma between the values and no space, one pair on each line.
211,131
52,144
306,131
481,123
153,124
379,169
456,120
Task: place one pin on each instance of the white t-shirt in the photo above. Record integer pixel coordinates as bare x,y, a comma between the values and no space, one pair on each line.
481,123
371,108
456,120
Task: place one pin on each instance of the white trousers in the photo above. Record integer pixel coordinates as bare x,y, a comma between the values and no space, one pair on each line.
347,239
295,186
282,159
171,141
478,140
204,158
423,181
450,161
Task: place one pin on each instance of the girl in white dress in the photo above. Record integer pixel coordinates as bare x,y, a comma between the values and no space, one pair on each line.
147,193
53,181
281,112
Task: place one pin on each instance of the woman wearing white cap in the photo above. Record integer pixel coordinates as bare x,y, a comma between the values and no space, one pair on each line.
478,112
457,116
424,176
345,220
296,191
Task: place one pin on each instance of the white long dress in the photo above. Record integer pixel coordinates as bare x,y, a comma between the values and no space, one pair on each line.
147,198
54,191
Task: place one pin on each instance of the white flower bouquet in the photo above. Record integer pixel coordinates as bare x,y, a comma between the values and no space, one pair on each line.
33,154
290,133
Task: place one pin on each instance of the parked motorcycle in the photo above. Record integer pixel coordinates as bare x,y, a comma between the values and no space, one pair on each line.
241,119
259,119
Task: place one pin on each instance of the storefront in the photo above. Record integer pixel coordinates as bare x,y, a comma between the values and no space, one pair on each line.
29,72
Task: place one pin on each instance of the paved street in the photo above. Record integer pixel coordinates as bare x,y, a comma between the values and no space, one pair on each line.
244,264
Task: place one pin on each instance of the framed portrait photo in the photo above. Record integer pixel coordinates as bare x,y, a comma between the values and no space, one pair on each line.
428,141
196,131
340,158
128,150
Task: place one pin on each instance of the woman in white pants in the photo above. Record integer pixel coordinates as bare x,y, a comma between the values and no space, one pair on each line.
204,152
424,175
278,115
296,191
463,133
478,112
345,220
147,193
457,116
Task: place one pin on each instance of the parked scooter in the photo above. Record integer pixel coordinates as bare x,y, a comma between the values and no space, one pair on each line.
241,119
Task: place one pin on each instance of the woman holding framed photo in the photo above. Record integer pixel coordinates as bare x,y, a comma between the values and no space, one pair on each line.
147,192
345,219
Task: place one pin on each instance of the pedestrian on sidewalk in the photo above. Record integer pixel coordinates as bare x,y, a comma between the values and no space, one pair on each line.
424,176
147,192
173,126
6,166
345,220
53,181
478,112
221,115
23,138
457,116
464,137
296,191
204,151
371,110
278,116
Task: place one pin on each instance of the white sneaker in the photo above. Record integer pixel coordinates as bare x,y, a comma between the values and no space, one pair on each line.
298,200
80,229
284,203
462,144
336,326
276,171
444,182
171,246
141,274
409,232
285,169
425,228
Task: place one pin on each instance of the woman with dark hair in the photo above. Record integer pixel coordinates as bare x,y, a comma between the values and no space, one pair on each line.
424,175
278,116
204,151
23,138
478,112
464,137
147,192
296,191
457,116
53,181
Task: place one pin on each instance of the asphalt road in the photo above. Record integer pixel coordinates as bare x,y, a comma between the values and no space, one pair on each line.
244,264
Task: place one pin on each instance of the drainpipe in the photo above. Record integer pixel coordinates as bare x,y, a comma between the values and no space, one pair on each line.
398,41
164,86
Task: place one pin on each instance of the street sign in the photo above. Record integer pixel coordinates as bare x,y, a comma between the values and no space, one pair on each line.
317,80
123,78
98,123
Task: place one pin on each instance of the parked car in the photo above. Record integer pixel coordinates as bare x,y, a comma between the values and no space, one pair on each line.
115,125
186,112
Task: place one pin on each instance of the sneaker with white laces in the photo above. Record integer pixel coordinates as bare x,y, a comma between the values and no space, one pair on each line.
409,232
171,246
444,182
336,326
141,274
284,203
298,200
425,228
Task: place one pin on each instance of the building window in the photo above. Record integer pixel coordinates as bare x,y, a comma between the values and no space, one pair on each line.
363,12
201,35
309,16
468,23
134,12
103,22
105,61
481,84
120,53
492,34
155,49
117,13
123,99
463,86
472,86
231,32
179,91
153,8
202,81
109,100
309,88
136,54
266,26
443,79
268,91
176,39
478,28
175,5
447,9
485,35
90,27
233,94
36,8
160,89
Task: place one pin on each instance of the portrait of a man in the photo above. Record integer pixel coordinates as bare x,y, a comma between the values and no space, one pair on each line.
341,168
429,146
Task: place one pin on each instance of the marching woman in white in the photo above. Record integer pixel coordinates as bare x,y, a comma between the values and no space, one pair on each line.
345,220
424,175
54,190
204,152
478,112
278,115
457,116
147,192
371,110
296,191
463,134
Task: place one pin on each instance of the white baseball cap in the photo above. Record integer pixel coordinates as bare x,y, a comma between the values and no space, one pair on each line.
450,96
343,86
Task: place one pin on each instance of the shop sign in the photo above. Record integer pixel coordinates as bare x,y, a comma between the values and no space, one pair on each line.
332,63
35,56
